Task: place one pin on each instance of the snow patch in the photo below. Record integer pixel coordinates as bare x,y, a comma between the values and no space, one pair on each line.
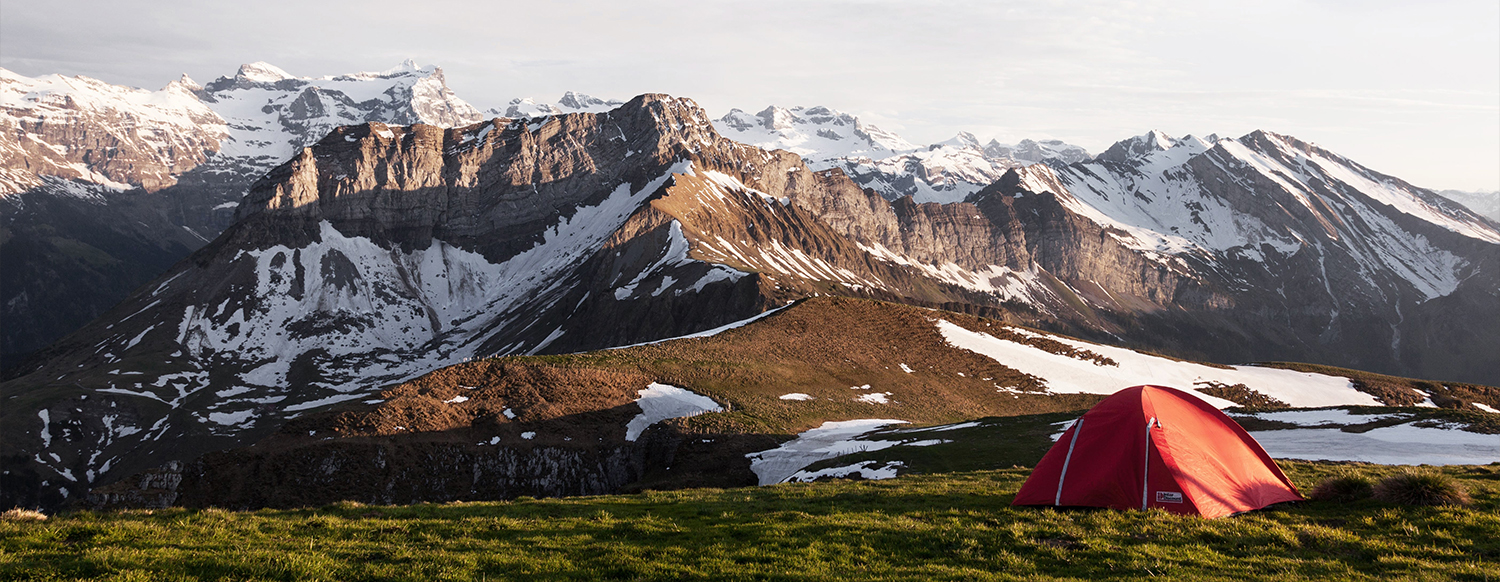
712,332
830,440
874,398
1067,375
865,469
46,427
660,402
231,418
335,399
1402,444
1335,416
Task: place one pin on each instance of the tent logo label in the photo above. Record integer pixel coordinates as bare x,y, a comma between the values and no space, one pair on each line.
1168,497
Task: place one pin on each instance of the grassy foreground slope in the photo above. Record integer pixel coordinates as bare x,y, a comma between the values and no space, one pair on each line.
929,527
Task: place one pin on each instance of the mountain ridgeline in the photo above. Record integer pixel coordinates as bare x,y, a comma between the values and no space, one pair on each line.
385,251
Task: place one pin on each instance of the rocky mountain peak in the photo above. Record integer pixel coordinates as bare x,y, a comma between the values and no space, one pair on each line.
776,118
185,84
1036,151
582,102
1032,179
407,66
963,139
262,72
570,102
428,180
1142,145
818,134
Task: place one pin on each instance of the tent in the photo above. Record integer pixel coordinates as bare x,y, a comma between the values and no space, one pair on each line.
1151,446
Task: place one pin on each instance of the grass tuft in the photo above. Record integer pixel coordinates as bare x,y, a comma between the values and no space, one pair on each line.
1343,488
18,514
1421,488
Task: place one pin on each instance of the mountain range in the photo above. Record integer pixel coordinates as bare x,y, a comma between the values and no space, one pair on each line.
1486,204
102,187
281,246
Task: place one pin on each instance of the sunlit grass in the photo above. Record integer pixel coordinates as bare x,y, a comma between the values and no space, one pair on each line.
928,527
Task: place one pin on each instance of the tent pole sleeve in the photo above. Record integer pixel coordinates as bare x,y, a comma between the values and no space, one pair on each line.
1077,428
1146,466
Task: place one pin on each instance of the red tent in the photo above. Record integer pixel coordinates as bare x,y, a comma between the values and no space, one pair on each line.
1151,446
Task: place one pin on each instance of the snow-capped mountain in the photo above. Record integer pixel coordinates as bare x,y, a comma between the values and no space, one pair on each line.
947,171
90,170
244,124
1047,150
1486,204
818,134
569,103
59,127
271,114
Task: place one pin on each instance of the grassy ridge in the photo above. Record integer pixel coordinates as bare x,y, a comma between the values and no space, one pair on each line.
928,527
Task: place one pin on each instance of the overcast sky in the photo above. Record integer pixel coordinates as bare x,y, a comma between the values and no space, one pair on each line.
1407,88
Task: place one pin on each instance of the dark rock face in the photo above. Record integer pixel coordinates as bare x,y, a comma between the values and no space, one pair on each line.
385,474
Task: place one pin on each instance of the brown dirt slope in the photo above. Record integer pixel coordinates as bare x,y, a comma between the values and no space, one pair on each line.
826,347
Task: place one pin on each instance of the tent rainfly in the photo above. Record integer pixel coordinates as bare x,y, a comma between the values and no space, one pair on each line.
1152,446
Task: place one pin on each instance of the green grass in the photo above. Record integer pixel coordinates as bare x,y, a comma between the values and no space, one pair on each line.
925,527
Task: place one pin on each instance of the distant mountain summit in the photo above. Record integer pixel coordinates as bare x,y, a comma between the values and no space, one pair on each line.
57,128
947,171
270,114
569,103
1487,204
243,124
1047,150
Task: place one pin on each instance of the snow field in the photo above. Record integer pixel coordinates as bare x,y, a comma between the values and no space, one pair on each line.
1066,375
864,469
831,439
1402,444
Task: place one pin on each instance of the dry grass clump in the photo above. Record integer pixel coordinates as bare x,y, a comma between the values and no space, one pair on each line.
1343,489
1421,488
18,514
